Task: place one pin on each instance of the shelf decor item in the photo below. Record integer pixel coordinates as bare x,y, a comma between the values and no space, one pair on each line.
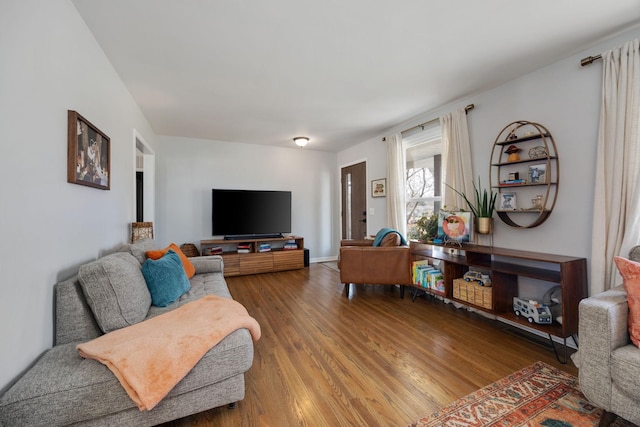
513,151
88,153
538,173
538,152
454,227
508,202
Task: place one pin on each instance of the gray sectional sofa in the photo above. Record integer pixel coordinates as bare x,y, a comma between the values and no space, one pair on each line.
62,388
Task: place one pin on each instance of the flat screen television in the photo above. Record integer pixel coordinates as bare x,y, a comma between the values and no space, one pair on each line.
237,214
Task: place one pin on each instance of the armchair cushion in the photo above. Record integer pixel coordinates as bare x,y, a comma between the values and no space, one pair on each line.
389,237
630,272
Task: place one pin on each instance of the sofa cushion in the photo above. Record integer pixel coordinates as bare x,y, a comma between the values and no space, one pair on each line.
186,264
166,279
138,249
115,290
62,388
630,272
625,365
391,239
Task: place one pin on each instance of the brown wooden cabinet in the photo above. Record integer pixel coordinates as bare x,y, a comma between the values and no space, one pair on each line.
505,266
254,262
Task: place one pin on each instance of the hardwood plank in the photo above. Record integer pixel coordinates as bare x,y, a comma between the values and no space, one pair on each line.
372,359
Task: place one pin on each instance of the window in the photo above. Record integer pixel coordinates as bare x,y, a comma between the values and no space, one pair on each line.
423,174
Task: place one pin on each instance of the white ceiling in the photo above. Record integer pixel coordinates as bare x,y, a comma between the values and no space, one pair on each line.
337,71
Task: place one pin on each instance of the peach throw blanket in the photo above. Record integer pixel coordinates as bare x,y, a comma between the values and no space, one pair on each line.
151,357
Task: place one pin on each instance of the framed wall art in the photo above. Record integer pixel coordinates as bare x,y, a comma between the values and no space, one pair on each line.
88,153
379,187
454,226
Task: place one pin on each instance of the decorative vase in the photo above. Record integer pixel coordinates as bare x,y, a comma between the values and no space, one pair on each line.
485,225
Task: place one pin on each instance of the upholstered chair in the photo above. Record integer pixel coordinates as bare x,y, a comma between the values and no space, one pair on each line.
362,262
608,362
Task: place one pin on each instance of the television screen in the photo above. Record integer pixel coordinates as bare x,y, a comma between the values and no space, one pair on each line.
250,213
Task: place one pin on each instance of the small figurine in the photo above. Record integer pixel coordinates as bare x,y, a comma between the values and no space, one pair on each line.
513,153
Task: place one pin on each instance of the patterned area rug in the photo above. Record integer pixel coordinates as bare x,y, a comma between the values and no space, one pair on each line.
539,395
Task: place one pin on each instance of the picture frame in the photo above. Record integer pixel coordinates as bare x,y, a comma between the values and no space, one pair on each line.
508,202
88,153
538,173
455,226
379,187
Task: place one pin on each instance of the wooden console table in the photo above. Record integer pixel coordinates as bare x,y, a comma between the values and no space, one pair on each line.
504,267
254,262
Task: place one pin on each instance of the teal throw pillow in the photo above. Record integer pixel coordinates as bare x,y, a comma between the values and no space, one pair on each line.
165,279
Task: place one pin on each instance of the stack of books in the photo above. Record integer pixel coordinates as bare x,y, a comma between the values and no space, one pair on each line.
214,250
264,247
512,182
290,245
244,248
427,276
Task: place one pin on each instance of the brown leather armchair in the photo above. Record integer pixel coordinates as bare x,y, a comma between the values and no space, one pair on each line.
362,263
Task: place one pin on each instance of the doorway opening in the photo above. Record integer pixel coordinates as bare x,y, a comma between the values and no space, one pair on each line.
144,192
354,201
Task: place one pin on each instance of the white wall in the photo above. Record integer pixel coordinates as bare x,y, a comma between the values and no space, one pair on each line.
373,152
48,227
565,98
187,169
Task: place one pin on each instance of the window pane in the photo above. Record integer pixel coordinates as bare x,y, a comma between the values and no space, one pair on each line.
423,177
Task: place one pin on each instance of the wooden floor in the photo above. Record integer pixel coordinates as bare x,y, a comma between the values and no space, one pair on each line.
369,360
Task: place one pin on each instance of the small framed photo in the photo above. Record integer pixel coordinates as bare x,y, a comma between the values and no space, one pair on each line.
88,153
538,173
379,187
508,202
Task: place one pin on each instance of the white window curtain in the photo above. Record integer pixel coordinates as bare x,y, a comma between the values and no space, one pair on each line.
456,158
396,216
616,214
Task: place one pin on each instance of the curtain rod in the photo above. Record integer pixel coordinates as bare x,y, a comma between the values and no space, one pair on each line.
422,125
589,59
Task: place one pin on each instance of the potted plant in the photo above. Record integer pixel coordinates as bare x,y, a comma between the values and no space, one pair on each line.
483,206
427,227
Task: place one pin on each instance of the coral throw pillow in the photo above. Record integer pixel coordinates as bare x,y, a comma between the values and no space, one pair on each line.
188,266
630,271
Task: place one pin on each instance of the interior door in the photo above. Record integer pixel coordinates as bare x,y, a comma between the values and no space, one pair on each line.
354,201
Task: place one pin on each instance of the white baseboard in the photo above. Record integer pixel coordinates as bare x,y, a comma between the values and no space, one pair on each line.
323,259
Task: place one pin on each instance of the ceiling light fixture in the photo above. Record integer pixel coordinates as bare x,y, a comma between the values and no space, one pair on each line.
301,141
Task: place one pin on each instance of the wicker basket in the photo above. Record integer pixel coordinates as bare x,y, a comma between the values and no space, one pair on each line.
189,249
472,292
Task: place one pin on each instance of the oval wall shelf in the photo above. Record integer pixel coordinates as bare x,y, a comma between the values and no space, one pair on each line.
525,172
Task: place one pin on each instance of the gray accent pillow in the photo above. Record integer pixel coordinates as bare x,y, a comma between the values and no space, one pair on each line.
115,290
138,249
